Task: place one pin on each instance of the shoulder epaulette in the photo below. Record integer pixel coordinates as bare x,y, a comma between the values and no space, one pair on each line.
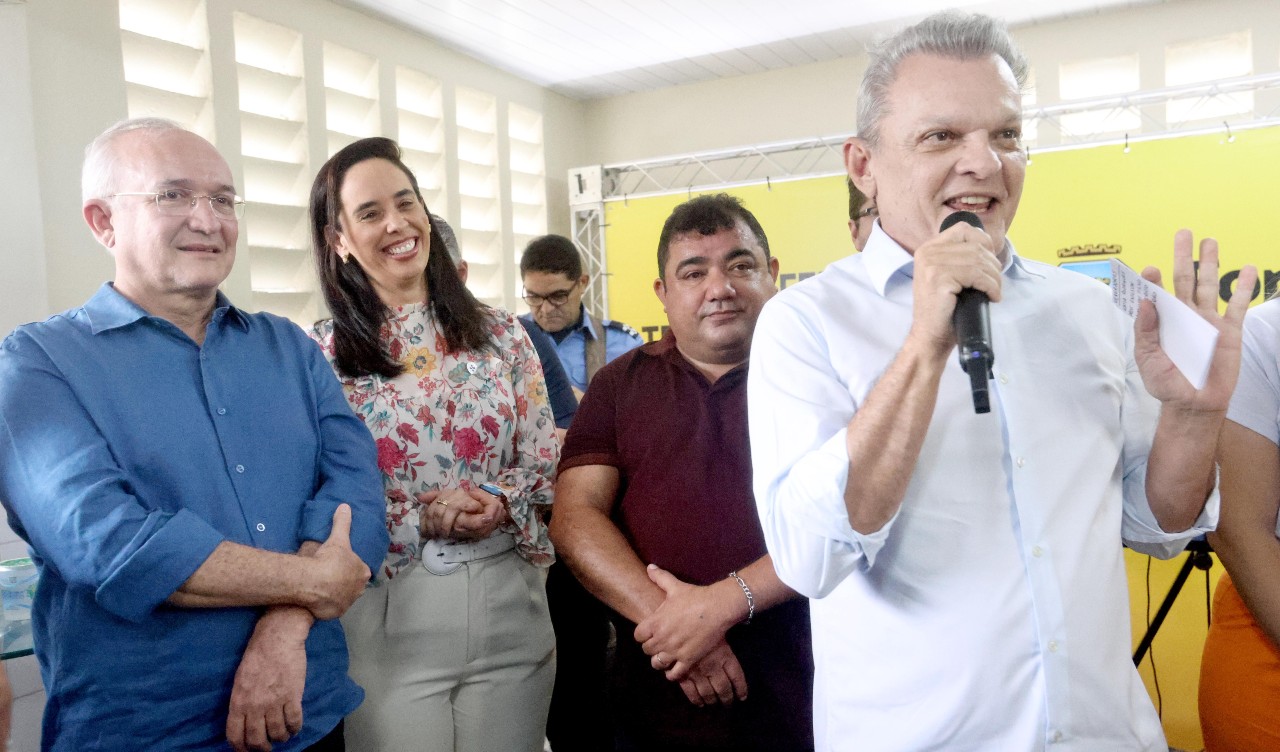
618,325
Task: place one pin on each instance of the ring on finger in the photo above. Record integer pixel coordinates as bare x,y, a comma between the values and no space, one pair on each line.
443,502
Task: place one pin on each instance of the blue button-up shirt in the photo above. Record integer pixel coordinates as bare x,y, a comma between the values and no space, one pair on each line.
573,348
127,454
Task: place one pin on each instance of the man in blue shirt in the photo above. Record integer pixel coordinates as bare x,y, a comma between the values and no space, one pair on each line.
199,499
553,285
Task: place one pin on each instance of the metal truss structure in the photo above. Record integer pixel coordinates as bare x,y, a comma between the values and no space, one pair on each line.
588,235
819,157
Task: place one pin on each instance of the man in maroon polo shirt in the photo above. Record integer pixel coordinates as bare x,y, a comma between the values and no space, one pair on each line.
655,514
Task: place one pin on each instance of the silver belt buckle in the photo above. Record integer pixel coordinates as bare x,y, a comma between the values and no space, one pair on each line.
433,558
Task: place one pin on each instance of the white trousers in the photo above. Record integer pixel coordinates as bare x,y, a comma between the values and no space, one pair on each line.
462,662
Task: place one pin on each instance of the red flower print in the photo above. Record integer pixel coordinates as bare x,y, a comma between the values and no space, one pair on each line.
407,432
425,416
489,425
397,496
390,455
522,405
396,349
467,444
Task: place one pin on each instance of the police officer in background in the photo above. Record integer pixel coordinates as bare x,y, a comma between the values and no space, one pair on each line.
553,285
551,270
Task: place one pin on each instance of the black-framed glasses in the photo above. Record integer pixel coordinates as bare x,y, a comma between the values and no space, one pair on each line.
556,299
180,202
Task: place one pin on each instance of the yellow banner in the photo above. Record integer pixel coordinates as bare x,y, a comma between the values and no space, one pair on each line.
1079,206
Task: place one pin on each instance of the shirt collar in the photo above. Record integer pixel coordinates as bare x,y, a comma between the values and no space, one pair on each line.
665,348
884,260
108,309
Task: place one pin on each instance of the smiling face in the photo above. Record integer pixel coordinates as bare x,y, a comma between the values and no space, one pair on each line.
712,289
159,257
950,140
385,229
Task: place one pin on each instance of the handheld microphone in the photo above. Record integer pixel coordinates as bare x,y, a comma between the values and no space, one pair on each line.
972,322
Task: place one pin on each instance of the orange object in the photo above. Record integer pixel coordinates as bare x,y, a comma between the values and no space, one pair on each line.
1239,679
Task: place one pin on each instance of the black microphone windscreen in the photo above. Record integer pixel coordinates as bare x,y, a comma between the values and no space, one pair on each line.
968,217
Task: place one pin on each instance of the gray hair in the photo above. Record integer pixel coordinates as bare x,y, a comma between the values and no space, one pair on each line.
97,176
950,34
450,239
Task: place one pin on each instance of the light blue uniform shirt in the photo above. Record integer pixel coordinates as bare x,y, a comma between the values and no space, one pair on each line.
127,454
573,348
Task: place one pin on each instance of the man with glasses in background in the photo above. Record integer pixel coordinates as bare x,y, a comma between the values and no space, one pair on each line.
553,285
551,270
199,499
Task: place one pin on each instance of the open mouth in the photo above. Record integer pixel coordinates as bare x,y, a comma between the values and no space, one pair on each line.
975,204
403,249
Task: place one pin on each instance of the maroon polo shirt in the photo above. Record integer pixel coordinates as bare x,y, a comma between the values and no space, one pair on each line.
685,503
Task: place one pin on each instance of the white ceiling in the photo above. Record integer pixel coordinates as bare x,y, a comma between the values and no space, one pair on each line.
598,48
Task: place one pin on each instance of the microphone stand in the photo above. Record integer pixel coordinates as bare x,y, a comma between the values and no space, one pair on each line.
1197,558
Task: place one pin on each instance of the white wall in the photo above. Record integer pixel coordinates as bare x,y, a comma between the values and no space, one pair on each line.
63,83
818,99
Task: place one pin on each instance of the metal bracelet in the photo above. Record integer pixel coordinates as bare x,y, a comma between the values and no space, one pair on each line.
751,599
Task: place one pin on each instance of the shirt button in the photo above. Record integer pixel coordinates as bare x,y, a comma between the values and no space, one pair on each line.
1057,736
1053,646
472,368
1020,462
1004,379
222,411
1037,552
239,468
261,527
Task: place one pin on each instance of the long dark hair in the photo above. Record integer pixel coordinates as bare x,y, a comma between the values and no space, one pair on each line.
358,312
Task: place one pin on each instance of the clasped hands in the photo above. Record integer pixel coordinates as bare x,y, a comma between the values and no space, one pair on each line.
685,639
460,514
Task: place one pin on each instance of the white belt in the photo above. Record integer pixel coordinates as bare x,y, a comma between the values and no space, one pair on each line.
444,557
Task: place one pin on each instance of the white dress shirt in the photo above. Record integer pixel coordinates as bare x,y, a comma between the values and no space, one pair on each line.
991,612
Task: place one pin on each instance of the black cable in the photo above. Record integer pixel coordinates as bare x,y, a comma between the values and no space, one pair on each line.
1208,602
1151,652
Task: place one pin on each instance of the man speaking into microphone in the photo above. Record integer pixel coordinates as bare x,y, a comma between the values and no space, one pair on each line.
966,567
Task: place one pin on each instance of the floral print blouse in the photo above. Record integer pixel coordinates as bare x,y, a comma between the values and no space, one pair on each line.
457,420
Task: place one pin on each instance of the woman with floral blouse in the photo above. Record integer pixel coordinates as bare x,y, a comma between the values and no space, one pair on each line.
452,642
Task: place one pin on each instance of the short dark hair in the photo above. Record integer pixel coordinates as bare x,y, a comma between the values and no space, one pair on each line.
450,239
358,312
707,215
857,200
554,254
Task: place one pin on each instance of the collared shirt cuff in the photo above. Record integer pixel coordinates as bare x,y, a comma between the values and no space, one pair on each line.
158,568
1145,535
820,478
368,533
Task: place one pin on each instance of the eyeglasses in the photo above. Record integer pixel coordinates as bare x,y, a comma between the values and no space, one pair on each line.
180,202
870,211
556,299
